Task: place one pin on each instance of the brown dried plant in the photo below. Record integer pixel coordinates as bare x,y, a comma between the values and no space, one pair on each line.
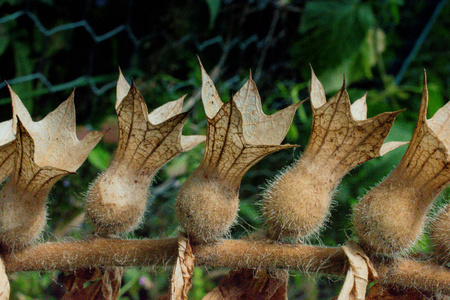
44,151
297,202
117,199
388,219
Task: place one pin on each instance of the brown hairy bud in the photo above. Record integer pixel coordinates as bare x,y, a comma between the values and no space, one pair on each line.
389,219
297,203
239,134
117,199
440,235
44,152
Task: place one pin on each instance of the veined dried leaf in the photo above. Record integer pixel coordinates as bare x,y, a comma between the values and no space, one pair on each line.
239,135
117,199
93,284
359,274
297,203
182,272
7,149
342,136
55,136
23,197
249,284
407,193
4,282
256,124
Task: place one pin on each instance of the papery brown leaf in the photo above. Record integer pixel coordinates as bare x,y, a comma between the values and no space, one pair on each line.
146,145
359,274
4,282
7,149
22,198
117,199
93,284
183,270
342,137
239,133
407,193
297,203
55,136
249,284
207,202
256,124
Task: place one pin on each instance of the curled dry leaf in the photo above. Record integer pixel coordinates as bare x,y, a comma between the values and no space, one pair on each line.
297,202
183,270
45,151
239,135
4,282
249,284
117,199
55,138
359,274
389,218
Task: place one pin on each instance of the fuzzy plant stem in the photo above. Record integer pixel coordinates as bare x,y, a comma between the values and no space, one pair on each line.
100,252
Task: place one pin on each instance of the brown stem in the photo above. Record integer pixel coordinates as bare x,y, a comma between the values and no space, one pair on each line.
100,252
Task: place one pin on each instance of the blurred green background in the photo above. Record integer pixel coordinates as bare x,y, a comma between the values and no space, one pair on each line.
48,47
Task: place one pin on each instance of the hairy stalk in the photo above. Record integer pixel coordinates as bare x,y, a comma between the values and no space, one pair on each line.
401,272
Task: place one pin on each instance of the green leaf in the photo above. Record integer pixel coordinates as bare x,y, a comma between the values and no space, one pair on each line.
214,8
99,158
332,33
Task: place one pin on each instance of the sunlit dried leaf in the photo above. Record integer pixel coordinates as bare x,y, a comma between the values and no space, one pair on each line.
43,152
238,135
256,123
407,193
93,284
297,203
117,199
149,141
183,270
7,149
22,198
55,136
4,282
249,284
359,274
427,159
342,137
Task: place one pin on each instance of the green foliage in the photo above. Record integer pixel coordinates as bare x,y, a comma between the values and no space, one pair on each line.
214,8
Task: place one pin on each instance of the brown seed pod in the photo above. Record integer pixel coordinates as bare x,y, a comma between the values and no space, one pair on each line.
440,235
390,217
117,199
44,152
239,134
296,204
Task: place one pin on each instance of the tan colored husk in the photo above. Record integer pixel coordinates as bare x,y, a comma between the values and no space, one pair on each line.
40,155
390,217
440,235
23,197
207,203
297,203
117,199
